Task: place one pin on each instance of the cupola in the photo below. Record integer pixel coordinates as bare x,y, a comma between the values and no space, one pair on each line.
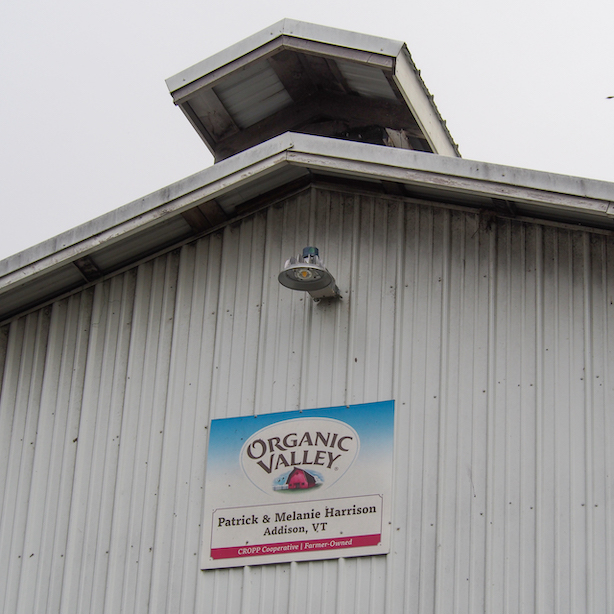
301,77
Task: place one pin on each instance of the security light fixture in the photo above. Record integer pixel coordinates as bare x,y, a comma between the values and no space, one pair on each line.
308,274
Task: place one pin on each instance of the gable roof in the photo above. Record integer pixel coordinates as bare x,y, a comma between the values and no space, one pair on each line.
228,190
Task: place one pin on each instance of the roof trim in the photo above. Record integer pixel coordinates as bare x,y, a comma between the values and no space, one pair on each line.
422,105
288,27
146,210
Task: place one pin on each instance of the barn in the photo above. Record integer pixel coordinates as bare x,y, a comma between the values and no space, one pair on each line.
473,298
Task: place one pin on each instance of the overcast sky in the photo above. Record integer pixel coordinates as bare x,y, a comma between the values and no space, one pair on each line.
87,123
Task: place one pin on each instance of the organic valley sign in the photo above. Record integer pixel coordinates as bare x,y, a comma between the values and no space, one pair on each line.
299,486
300,453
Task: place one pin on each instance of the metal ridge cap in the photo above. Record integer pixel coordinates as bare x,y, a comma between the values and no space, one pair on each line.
286,27
149,205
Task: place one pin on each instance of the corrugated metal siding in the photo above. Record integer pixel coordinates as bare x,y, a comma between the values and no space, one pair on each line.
492,337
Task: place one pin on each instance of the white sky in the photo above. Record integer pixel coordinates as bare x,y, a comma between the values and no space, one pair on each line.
87,124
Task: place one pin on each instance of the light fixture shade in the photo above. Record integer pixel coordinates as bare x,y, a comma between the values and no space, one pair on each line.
307,273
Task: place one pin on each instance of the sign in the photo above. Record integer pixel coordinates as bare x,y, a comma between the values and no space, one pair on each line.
299,486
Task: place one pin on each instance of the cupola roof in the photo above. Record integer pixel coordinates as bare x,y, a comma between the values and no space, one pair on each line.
301,77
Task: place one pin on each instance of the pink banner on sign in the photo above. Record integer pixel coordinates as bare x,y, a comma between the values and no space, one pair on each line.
312,545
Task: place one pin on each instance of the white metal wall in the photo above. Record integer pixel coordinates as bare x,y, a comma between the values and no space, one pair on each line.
492,337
